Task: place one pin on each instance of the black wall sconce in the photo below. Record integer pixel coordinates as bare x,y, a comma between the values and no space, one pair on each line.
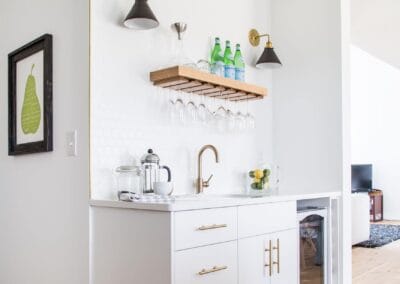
268,58
141,17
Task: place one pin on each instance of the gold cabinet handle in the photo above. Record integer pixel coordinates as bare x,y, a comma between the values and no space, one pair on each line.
269,264
211,227
278,257
214,269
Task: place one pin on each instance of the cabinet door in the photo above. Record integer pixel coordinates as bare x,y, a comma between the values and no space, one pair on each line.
256,254
285,257
253,257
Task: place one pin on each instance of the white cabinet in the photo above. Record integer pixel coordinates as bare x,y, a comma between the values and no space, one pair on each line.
269,259
230,245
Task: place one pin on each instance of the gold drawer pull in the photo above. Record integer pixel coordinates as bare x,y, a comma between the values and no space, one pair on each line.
269,265
214,269
278,257
212,227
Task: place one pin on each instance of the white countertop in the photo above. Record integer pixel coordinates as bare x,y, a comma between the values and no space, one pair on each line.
210,201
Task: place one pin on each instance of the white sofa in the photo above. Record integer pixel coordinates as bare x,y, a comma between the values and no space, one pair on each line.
360,217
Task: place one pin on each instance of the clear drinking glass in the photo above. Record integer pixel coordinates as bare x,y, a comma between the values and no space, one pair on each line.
203,65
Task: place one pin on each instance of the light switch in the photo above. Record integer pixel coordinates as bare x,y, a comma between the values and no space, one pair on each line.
72,143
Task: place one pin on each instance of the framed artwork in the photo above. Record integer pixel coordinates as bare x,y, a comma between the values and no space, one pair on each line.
30,98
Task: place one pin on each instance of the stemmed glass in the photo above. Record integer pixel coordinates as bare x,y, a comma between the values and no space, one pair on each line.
230,117
203,112
180,111
250,120
240,120
196,110
219,115
191,112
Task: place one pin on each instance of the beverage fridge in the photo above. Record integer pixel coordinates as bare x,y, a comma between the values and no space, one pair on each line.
313,245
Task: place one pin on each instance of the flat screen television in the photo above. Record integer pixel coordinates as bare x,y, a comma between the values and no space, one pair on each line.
361,178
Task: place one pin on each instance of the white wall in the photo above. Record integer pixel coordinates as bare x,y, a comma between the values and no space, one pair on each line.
311,107
375,121
43,204
129,115
307,91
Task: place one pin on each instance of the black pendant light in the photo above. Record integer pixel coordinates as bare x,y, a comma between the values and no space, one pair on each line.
268,58
141,17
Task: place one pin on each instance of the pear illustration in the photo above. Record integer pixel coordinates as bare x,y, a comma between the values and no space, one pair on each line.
31,114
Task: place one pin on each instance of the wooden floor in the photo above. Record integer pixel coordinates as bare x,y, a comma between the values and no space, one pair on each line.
377,266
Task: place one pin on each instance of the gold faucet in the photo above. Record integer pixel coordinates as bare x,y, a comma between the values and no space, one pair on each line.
200,183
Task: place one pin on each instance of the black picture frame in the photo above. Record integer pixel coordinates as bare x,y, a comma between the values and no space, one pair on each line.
45,44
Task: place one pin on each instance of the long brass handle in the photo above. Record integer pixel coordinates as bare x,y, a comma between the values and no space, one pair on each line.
211,227
214,269
269,264
278,257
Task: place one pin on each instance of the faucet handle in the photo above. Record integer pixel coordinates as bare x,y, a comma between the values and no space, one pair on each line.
207,182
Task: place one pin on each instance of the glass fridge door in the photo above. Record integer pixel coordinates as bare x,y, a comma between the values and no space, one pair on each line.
312,250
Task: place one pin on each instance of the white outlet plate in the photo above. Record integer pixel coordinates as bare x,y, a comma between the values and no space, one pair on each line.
72,139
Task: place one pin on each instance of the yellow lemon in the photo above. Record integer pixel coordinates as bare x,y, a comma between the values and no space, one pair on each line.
259,174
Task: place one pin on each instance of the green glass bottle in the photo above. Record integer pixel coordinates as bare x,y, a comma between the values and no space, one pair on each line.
239,64
217,61
228,61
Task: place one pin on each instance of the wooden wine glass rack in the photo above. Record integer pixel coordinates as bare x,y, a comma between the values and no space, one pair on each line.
190,80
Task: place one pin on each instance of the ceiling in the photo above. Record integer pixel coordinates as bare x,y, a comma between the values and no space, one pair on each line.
375,28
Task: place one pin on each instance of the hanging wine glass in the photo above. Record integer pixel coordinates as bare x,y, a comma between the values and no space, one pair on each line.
171,106
209,115
240,119
220,118
250,120
180,110
202,113
191,112
230,117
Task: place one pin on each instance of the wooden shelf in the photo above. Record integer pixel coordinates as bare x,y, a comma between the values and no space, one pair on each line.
190,80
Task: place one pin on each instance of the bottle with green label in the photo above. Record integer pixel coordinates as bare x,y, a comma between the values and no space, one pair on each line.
228,61
239,64
217,61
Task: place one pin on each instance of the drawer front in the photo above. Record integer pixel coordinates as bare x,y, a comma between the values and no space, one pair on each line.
267,218
214,264
203,227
